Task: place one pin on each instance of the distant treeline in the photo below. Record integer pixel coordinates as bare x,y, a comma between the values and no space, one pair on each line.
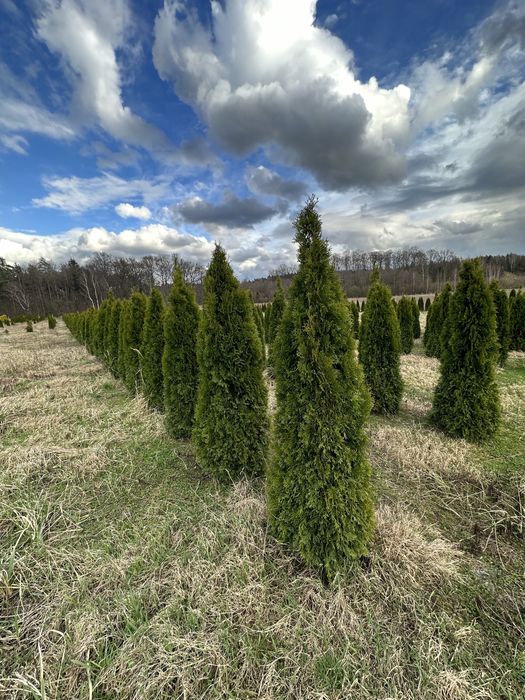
44,287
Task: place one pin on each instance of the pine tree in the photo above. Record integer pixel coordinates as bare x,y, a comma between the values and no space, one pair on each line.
416,326
319,495
501,303
517,322
405,315
151,350
466,401
179,361
113,337
354,311
380,348
231,422
278,306
434,331
133,332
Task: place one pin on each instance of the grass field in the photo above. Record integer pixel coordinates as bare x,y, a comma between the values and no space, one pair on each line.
125,573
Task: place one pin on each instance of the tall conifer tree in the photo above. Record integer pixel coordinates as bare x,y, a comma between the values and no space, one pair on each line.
466,401
133,330
501,303
231,422
405,314
319,495
113,337
179,361
152,349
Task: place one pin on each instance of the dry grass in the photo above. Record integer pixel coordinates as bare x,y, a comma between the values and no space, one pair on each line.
125,575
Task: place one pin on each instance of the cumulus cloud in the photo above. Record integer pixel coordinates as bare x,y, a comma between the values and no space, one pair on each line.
128,211
75,194
234,212
263,181
265,75
151,239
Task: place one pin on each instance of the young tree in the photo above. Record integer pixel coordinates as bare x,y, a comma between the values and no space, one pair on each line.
428,304
51,322
433,337
319,494
405,316
179,361
151,350
354,311
122,339
416,326
517,322
231,422
421,304
113,337
133,332
466,402
380,348
278,307
501,303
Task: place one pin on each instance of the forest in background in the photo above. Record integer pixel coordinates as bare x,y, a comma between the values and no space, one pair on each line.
44,287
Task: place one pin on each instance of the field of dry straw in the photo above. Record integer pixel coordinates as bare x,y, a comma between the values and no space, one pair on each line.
124,573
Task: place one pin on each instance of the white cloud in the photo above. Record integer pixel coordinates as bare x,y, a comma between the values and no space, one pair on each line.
15,143
76,194
128,211
82,243
270,77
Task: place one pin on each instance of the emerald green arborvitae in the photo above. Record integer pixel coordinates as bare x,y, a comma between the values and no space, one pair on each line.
258,323
501,302
231,421
100,330
416,326
267,319
51,321
405,314
133,331
278,306
427,304
421,304
319,493
107,324
179,361
466,402
122,339
151,350
517,322
433,337
354,310
380,348
112,340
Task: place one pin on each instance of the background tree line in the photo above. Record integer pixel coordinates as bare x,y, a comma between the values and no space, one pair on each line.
44,287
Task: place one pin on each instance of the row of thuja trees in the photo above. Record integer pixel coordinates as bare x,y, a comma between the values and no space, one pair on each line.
205,369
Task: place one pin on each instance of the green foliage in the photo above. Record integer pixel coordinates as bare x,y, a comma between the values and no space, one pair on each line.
420,304
112,339
267,319
405,315
517,322
433,337
278,307
231,422
354,312
501,303
466,400
122,348
99,336
428,304
151,350
51,322
107,324
380,348
133,331
416,325
319,494
179,361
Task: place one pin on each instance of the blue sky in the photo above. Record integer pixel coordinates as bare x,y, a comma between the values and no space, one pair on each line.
136,128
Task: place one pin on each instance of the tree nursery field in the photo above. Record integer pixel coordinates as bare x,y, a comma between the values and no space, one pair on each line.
127,572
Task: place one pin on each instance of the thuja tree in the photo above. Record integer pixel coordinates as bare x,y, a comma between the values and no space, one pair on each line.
405,314
433,337
420,304
319,494
428,304
107,325
501,303
354,311
416,325
112,341
133,330
517,322
151,350
466,402
278,306
380,348
51,322
179,360
231,422
100,329
122,339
